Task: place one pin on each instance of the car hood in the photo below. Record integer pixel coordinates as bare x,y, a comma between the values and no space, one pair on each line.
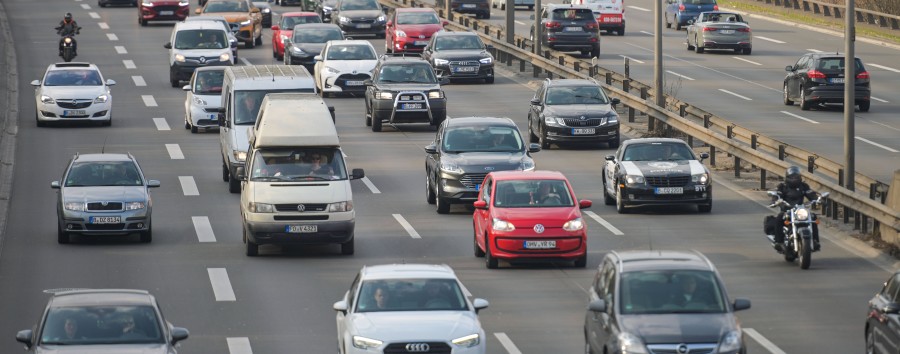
400,86
679,328
105,349
663,168
356,14
526,218
415,326
105,193
353,66
414,31
484,162
73,92
289,192
314,48
461,54
578,110
233,17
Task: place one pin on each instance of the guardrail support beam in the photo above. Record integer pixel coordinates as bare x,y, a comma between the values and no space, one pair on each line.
712,155
737,166
762,179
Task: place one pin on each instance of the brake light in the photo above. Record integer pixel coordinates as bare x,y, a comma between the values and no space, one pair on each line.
552,24
708,29
715,7
681,7
746,29
815,74
592,25
863,75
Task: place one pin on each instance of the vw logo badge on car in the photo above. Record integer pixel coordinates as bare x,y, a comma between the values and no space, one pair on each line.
301,207
539,228
418,347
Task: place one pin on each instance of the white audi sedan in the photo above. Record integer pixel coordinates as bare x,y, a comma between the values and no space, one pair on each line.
409,308
72,92
204,96
344,65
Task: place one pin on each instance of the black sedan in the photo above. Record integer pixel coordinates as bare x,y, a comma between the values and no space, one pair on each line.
572,111
460,55
307,41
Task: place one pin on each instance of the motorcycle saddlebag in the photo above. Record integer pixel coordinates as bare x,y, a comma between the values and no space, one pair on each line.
770,224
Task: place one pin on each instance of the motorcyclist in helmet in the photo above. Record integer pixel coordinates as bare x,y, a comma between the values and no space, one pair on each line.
67,27
792,191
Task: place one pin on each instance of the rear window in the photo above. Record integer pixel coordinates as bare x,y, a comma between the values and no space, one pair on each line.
836,63
572,14
700,2
200,39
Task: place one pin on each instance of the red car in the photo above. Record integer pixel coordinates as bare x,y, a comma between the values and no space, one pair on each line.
527,216
162,10
409,29
285,28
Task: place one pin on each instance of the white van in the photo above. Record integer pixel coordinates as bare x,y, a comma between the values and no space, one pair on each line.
296,187
610,14
195,45
243,91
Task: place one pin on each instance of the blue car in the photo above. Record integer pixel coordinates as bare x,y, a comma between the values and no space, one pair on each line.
680,12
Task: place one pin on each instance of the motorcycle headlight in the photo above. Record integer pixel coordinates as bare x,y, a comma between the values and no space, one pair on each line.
262,208
381,95
74,206
450,166
47,99
68,40
631,344
239,155
340,206
631,179
179,58
245,23
199,101
441,62
802,214
366,343
436,94
101,99
701,178
487,60
400,33
381,18
332,70
467,341
134,205
344,19
503,225
574,225
527,165
225,57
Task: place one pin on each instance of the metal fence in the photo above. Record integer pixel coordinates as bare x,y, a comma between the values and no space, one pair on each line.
839,11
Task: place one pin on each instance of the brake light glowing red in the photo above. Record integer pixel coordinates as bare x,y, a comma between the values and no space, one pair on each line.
681,7
715,7
746,29
815,74
863,75
552,24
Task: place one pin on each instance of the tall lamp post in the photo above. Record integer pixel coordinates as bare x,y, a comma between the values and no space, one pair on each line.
850,96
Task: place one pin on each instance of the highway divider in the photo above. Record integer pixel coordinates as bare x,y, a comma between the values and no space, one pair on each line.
837,11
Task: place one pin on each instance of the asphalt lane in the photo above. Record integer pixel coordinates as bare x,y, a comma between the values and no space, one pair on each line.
282,302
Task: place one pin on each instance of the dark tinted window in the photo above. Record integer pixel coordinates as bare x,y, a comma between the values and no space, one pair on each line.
700,2
658,152
359,5
86,77
95,173
411,295
457,42
671,291
572,14
316,35
208,82
532,194
576,95
86,325
836,63
290,22
482,138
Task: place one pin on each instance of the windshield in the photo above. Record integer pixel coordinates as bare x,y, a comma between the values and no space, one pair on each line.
73,78
670,291
359,5
457,42
247,103
411,295
576,95
316,35
482,138
200,39
289,22
208,82
87,325
417,18
350,52
572,14
298,164
407,73
532,194
722,17
226,6
658,152
111,173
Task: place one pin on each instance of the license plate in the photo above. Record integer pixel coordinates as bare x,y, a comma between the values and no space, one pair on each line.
539,245
410,106
612,19
420,43
364,25
726,31
166,13
104,220
354,83
836,80
582,131
69,113
301,229
572,29
670,190
464,69
468,6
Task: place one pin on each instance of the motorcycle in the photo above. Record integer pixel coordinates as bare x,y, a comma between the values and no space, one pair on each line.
68,45
798,229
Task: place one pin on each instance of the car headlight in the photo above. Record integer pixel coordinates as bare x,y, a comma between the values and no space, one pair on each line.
147,3
467,341
802,214
184,3
297,51
450,166
548,120
102,98
612,118
225,57
487,60
631,344
701,178
381,18
344,19
179,58
261,208
340,206
239,155
74,206
332,70
381,95
436,94
199,101
134,205
366,343
245,23
527,165
632,179
731,342
400,33
441,62
574,225
265,11
326,10
502,225
47,99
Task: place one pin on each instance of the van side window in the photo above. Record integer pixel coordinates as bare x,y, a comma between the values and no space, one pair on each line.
228,108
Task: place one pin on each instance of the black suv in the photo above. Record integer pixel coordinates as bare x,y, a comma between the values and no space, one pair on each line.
464,150
480,8
818,78
572,111
359,17
460,55
569,28
661,302
404,90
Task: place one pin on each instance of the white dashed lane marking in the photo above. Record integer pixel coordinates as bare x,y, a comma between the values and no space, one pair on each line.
86,6
507,343
800,117
745,98
102,25
121,50
129,64
814,50
875,144
95,15
112,36
879,100
639,8
174,152
645,32
245,61
747,61
203,228
239,345
771,347
882,67
188,185
406,226
221,285
769,39
520,23
679,75
631,59
605,223
149,101
139,80
161,124
370,185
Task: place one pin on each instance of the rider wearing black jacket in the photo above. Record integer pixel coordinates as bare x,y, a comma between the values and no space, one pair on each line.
792,191
66,27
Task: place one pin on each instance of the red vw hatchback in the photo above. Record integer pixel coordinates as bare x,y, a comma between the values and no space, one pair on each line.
285,28
528,216
409,29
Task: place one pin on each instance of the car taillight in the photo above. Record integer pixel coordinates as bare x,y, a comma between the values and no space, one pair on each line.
592,25
863,75
815,74
743,29
681,7
708,29
552,24
715,7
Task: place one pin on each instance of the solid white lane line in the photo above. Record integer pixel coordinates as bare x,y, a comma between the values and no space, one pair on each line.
112,36
239,345
102,25
639,8
161,124
129,64
368,183
769,39
631,59
174,152
95,15
885,125
771,347
520,22
884,67
149,101
188,185
876,144
86,6
645,32
800,117
139,80
879,100
747,61
218,277
203,229
507,343
121,50
406,226
745,98
679,75
245,61
605,223
814,50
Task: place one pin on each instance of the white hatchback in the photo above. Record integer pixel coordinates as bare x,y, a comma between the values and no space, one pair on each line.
72,92
400,308
344,65
203,99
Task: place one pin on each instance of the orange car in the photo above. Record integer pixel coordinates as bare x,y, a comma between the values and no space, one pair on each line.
241,14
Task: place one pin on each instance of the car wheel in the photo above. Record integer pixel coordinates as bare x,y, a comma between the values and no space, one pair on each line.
531,137
347,248
581,262
595,52
677,25
478,251
234,185
545,144
61,236
489,261
621,31
250,44
614,143
224,172
274,52
108,122
143,22
787,98
804,105
689,46
531,7
387,48
429,193
747,51
38,121
489,80
174,81
864,106
147,236
607,199
697,47
376,122
668,24
194,130
620,202
443,204
870,342
369,118
187,125
486,16
259,39
585,52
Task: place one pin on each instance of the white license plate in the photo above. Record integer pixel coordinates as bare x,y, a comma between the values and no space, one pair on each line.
166,13
836,80
69,113
420,43
539,245
612,19
301,229
572,29
726,31
670,190
354,83
104,220
364,25
410,106
464,69
468,6
583,131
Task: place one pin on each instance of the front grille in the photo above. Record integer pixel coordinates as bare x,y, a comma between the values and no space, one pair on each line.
301,217
471,179
465,62
587,122
694,348
99,206
201,60
433,348
341,81
363,20
172,8
306,207
104,227
74,104
668,181
211,110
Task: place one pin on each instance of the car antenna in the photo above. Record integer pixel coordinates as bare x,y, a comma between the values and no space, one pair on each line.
103,148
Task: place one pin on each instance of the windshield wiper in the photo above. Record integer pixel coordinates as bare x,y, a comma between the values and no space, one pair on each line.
312,178
267,179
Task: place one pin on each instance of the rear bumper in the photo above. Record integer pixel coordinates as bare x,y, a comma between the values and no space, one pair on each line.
722,45
836,94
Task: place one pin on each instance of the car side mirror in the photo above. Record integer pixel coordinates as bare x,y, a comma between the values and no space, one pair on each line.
385,9
615,101
317,57
36,83
532,148
198,11
389,23
703,156
110,82
584,204
444,81
168,45
598,305
186,87
357,173
489,46
480,304
480,204
535,102
54,185
740,304
179,334
610,158
340,306
789,68
240,173
152,183
24,336
221,120
367,82
331,111
431,149
276,28
891,308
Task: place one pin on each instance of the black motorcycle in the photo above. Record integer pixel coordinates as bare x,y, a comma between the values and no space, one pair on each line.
798,229
68,44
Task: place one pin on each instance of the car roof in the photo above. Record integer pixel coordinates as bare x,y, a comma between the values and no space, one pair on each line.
414,9
100,297
193,25
480,121
652,140
72,66
205,17
639,260
103,157
572,82
298,14
408,271
529,175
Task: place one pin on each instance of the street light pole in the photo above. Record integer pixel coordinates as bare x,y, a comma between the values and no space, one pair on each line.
850,96
537,33
510,22
657,54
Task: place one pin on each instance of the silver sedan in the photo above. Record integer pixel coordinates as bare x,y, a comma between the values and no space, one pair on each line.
719,30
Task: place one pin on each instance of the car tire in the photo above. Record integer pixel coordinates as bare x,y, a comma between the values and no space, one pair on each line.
108,122
251,248
143,22
429,193
62,237
804,104
250,44
621,31
442,204
530,7
531,137
258,40
864,106
187,125
581,262
666,19
614,143
677,25
585,52
607,199
689,46
697,48
369,118
347,248
595,52
274,53
870,342
147,236
545,144
38,122
620,202
376,122
194,129
234,185
489,80
486,16
787,98
747,51
225,173
174,81
479,253
489,261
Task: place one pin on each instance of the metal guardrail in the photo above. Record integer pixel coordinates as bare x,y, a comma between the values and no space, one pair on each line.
839,11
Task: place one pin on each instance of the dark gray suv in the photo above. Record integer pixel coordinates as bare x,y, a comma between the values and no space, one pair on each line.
569,28
661,302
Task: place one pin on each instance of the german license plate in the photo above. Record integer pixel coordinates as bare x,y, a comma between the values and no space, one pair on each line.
420,43
410,106
301,229
354,83
669,190
612,19
583,131
105,220
364,25
166,13
572,29
69,113
836,80
726,31
539,245
464,69
468,6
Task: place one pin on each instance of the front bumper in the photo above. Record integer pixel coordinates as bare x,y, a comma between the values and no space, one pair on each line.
566,134
511,245
79,222
54,113
203,118
436,347
362,28
481,71
433,112
262,228
637,195
165,13
835,94
410,44
307,60
184,70
459,188
245,33
350,83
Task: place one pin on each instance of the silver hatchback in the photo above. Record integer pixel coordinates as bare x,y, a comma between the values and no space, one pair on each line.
103,194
